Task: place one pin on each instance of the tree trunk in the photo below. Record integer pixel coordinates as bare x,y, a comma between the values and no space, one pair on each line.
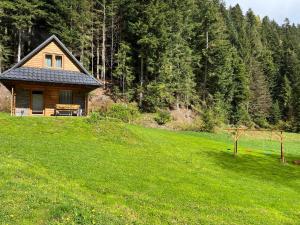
141,82
98,58
206,68
177,101
82,53
103,72
29,37
19,44
112,42
92,46
1,61
123,85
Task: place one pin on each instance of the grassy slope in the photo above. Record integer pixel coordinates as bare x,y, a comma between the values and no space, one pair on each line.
64,171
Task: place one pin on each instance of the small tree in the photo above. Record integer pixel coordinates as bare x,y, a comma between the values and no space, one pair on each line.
275,113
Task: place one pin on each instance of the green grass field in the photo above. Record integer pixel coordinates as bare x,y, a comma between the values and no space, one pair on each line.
66,171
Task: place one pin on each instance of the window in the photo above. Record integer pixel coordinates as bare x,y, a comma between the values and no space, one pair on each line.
65,97
48,59
58,61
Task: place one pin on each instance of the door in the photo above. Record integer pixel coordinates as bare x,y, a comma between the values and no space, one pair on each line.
37,102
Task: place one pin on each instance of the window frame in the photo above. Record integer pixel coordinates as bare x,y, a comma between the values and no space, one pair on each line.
61,56
53,60
45,58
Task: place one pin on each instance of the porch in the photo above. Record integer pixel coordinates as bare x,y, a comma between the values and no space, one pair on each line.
48,100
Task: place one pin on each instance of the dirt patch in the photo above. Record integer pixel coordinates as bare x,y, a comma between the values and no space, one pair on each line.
183,115
297,162
185,119
4,99
99,99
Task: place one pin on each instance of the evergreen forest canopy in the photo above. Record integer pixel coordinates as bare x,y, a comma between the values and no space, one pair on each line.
194,53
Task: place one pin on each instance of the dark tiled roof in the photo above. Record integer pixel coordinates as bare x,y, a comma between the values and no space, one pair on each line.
49,76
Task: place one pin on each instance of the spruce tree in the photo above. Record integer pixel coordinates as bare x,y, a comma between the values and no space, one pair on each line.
23,15
124,72
260,99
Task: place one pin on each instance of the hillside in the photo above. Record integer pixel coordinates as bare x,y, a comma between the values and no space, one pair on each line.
66,171
221,60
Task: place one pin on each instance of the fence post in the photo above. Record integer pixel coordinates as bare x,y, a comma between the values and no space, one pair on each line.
282,147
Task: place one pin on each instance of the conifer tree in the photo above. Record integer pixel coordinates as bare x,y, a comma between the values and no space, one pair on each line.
23,15
260,99
123,71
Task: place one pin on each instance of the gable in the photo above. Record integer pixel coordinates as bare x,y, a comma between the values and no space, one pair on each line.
38,60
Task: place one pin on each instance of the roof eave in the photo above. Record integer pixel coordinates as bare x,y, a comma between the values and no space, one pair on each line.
3,80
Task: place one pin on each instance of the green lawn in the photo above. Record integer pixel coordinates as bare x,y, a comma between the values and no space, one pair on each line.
66,171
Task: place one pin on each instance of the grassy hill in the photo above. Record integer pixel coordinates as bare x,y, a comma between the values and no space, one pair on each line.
66,171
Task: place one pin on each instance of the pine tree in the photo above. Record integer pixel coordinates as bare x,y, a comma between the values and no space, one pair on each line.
215,72
24,13
241,92
177,72
72,22
239,37
124,72
5,51
260,99
286,97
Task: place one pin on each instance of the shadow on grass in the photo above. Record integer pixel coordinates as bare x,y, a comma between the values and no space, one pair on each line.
260,166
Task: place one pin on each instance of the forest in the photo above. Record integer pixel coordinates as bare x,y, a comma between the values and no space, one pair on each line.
195,54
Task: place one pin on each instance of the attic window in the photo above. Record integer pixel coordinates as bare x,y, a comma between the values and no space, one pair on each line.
58,61
48,61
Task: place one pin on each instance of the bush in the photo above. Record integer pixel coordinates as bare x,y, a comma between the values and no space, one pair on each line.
286,126
94,117
124,112
262,122
118,111
163,117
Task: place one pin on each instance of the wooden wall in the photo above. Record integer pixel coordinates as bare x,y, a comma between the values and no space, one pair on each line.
22,102
38,60
51,98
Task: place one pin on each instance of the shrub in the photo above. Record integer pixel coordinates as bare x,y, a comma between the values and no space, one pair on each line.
124,112
262,122
163,117
120,112
286,126
94,117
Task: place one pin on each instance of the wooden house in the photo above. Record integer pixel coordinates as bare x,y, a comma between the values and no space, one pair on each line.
49,81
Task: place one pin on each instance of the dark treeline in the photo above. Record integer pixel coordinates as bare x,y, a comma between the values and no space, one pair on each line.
193,53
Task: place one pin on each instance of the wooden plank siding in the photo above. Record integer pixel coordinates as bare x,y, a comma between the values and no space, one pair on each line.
38,60
51,97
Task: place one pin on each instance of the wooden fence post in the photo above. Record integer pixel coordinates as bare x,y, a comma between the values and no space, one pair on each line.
235,142
282,147
12,101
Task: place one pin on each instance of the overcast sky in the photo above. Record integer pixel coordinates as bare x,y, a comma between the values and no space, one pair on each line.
275,9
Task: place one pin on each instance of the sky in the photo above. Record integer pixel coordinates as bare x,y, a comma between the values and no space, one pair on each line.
274,9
